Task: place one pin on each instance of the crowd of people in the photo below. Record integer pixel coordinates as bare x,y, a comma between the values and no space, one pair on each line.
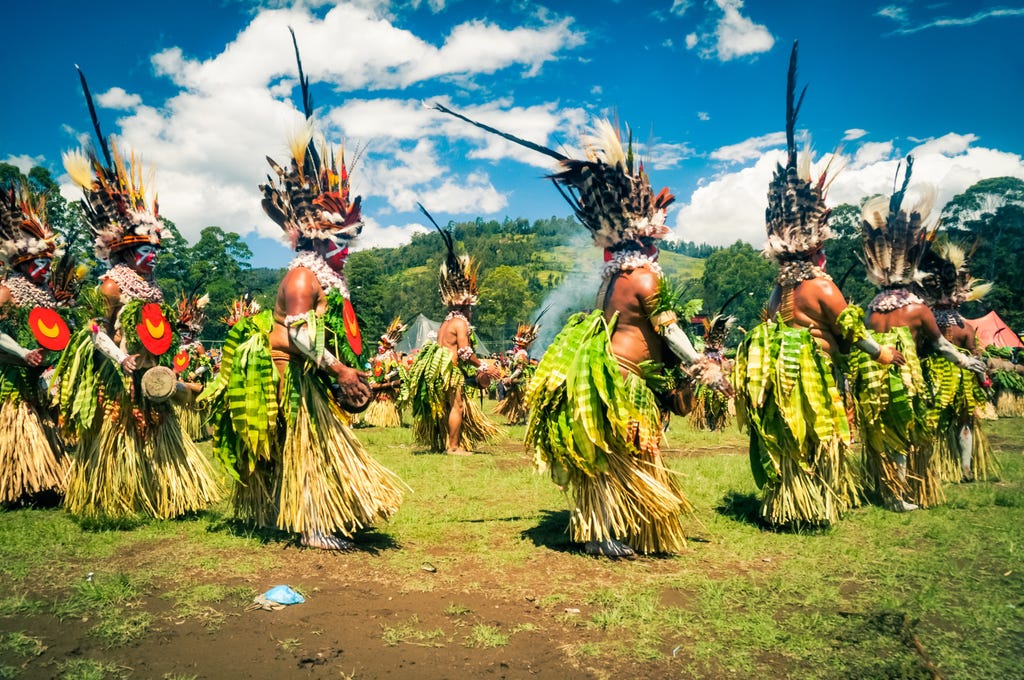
106,388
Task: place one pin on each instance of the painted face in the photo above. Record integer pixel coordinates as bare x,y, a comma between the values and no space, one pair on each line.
38,270
187,336
145,258
335,256
818,259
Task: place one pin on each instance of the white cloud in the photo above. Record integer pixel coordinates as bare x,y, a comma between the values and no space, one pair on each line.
117,98
703,115
679,7
901,16
748,149
208,141
663,156
24,162
731,206
853,133
733,35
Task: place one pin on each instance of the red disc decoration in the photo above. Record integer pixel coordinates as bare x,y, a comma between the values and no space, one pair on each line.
49,329
355,338
181,360
154,331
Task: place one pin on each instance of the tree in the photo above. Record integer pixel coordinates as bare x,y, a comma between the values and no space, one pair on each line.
738,269
843,252
504,303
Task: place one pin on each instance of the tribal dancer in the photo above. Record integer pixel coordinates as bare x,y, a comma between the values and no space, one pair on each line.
192,364
116,383
387,380
32,456
790,389
446,418
513,406
711,407
892,403
289,379
961,446
595,411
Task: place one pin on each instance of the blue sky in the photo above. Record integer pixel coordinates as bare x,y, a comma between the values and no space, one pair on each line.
206,90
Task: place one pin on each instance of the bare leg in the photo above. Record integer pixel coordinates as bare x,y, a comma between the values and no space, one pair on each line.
315,539
900,504
966,442
609,548
455,427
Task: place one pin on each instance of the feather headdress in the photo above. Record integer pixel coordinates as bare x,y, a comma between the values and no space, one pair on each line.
241,308
311,199
609,191
25,233
796,217
392,335
526,334
715,332
945,277
457,276
115,193
895,237
190,312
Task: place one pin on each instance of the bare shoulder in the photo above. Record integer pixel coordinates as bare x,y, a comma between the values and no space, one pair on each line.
5,295
644,281
110,290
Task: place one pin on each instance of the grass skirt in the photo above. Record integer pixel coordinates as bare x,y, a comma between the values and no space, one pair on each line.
437,382
328,482
124,469
598,435
957,399
893,415
788,398
513,406
193,421
382,412
32,457
710,410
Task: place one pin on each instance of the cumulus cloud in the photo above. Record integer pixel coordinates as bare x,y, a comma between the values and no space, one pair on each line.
117,98
208,140
731,205
732,36
24,162
748,149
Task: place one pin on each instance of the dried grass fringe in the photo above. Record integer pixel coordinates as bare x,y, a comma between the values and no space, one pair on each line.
819,498
476,427
32,458
122,473
329,483
513,406
382,412
636,500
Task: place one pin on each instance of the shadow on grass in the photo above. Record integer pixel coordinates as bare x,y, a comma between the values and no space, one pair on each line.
367,540
746,509
552,532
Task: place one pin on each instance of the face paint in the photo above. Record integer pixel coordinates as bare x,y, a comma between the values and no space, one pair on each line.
145,258
819,259
39,270
335,256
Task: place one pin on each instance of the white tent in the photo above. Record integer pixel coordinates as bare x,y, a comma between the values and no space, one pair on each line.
422,330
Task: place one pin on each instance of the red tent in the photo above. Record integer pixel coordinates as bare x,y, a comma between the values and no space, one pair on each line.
993,331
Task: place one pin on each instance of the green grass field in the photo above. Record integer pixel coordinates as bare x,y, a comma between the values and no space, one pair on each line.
935,593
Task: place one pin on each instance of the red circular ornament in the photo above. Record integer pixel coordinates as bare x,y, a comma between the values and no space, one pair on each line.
181,361
49,329
352,334
154,331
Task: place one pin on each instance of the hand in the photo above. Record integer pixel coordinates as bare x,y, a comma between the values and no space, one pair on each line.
129,364
352,384
195,387
898,358
978,367
34,358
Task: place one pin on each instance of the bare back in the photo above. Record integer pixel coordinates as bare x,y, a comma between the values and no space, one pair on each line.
630,294
814,304
964,337
917,317
454,334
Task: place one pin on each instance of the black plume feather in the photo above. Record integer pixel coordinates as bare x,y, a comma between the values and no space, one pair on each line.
512,138
897,196
95,119
792,110
312,168
449,244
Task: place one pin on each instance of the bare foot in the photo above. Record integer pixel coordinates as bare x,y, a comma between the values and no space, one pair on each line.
459,452
609,548
324,542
